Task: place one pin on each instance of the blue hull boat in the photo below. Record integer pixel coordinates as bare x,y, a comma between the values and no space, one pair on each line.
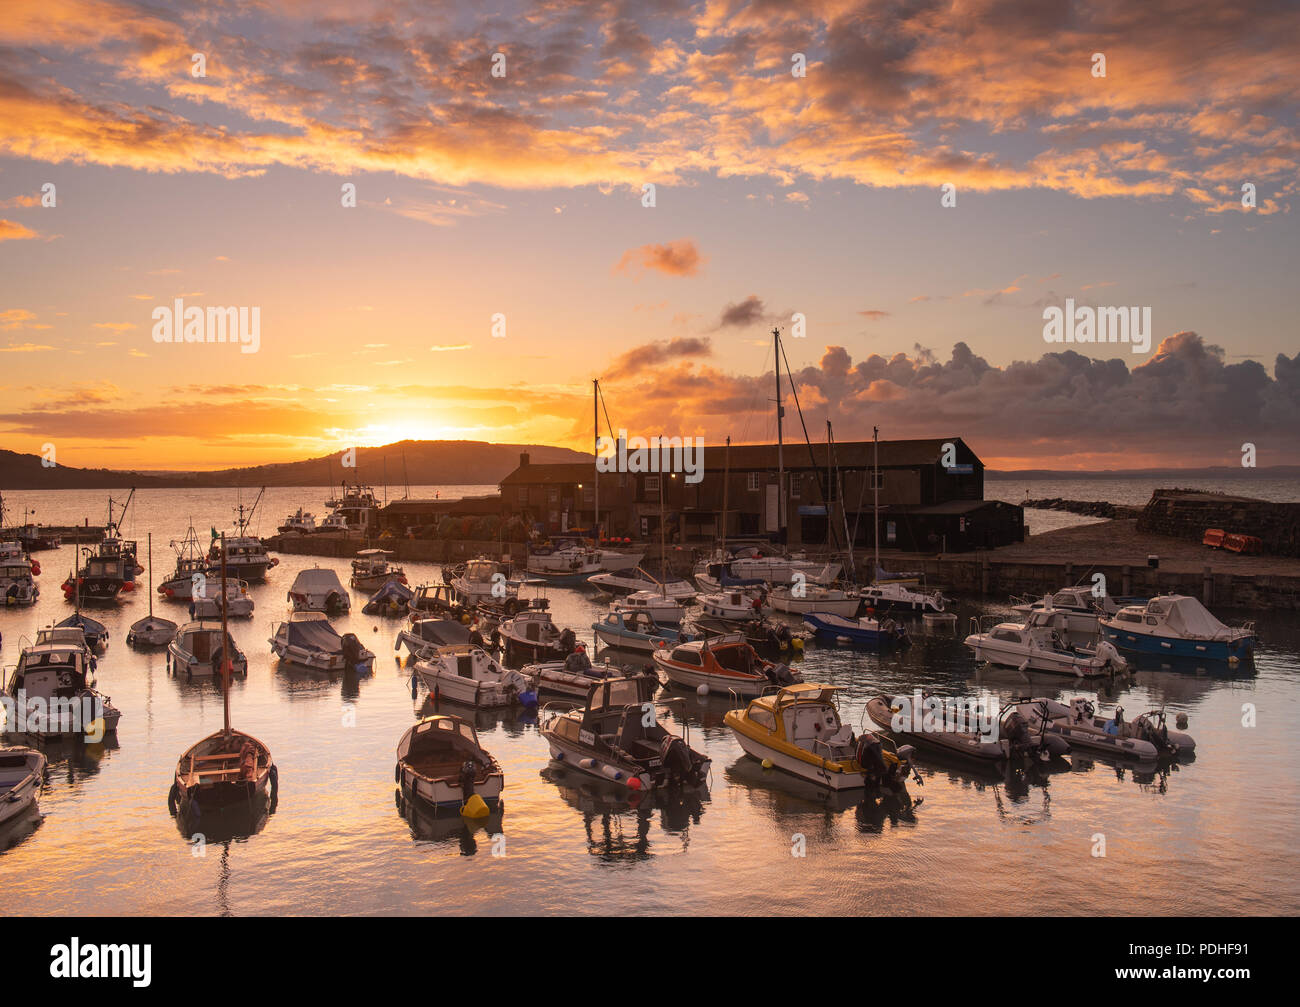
1137,642
862,632
1177,626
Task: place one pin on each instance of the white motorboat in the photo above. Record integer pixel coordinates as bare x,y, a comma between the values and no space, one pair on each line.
613,561
371,570
197,649
239,603
1081,609
1041,643
308,640
800,599
484,580
1176,625
467,674
753,565
723,664
576,674
319,590
733,606
662,609
1146,738
17,581
441,762
531,636
300,522
51,691
639,580
572,564
894,596
22,776
336,522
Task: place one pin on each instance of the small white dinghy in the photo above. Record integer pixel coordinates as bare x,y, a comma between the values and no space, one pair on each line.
466,674
440,762
319,590
239,604
197,648
152,631
22,775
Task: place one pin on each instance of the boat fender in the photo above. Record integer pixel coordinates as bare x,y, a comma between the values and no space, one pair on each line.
475,807
1180,721
634,783
397,773
767,763
702,690
612,772
173,798
588,763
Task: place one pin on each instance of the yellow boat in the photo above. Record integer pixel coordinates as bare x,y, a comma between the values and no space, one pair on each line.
798,729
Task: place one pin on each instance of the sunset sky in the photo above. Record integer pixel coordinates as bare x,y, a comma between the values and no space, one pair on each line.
774,194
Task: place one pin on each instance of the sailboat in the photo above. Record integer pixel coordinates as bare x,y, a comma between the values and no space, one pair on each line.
152,631
228,769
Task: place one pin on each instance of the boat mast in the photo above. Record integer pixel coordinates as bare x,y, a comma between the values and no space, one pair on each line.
663,555
780,460
595,433
225,641
151,575
875,495
726,485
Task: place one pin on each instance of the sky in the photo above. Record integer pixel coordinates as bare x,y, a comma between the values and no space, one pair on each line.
905,209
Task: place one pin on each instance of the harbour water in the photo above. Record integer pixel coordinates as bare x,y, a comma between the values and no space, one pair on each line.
1217,834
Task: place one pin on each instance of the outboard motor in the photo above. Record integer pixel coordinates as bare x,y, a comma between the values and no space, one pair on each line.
333,602
568,639
676,758
1016,730
468,771
351,651
780,674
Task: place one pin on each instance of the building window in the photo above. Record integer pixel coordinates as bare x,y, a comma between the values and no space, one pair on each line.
877,480
523,494
553,494
652,484
752,482
796,484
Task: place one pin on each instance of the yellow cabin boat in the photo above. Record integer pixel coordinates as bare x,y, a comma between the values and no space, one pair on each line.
798,729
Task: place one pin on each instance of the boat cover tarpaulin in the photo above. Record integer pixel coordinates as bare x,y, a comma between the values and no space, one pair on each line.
317,634
317,582
1190,619
391,591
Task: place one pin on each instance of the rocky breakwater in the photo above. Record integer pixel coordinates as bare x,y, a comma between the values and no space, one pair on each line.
1090,508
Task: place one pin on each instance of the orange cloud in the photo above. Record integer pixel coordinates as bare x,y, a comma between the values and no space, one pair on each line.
676,258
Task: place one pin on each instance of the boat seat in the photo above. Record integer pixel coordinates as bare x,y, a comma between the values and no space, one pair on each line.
216,772
214,758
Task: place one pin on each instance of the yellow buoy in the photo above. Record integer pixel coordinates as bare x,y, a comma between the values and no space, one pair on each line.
767,763
797,643
475,807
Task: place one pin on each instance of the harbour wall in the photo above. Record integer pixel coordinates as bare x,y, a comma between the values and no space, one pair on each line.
1186,515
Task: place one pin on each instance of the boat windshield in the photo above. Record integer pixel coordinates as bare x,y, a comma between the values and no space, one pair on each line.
617,693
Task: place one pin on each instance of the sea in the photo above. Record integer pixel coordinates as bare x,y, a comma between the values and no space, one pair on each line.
1215,835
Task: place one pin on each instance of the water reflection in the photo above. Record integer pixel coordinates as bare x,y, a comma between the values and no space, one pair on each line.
430,824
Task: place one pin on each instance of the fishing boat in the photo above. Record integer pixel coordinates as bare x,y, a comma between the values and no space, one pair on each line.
392,599
307,639
356,507
625,582
106,573
153,631
725,664
191,571
662,609
464,673
1179,626
531,636
865,631
197,649
611,738
1145,738
22,777
484,580
1042,643
17,575
228,769
319,590
798,730
335,522
52,691
300,522
424,633
734,606
804,598
576,674
370,570
441,762
637,632
237,604
245,556
436,600
1010,739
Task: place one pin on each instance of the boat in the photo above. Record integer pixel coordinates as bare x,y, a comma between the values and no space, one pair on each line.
432,632
191,573
228,769
662,609
335,522
152,631
483,580
1146,738
750,565
51,691
393,598
245,556
22,777
569,565
1012,740
612,738
636,631
765,636
300,522
1179,626
238,602
93,632
1081,609
866,630
17,575
356,507
798,730
576,674
464,673
531,636
107,572
724,664
1041,643
307,639
441,763
804,598
437,600
894,596
624,582
196,651
370,570
319,590
733,606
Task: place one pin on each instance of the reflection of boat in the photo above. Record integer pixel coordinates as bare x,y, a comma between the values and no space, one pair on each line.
637,632
1178,625
308,640
467,674
610,739
432,825
865,631
196,651
441,763
722,664
1041,643
1012,739
22,775
370,570
1147,737
799,730
319,590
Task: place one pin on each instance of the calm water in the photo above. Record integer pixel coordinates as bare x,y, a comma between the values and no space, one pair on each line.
1212,836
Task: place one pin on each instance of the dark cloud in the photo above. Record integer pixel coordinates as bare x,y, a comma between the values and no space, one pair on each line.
748,312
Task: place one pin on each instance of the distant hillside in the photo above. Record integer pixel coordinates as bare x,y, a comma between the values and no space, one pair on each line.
1211,472
426,463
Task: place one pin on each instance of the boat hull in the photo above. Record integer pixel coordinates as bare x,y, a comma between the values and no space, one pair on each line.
1213,650
790,763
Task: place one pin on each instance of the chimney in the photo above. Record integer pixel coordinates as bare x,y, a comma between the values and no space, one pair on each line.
523,458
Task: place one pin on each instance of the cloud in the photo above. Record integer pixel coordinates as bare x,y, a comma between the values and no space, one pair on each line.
676,258
874,315
11,230
656,354
750,311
